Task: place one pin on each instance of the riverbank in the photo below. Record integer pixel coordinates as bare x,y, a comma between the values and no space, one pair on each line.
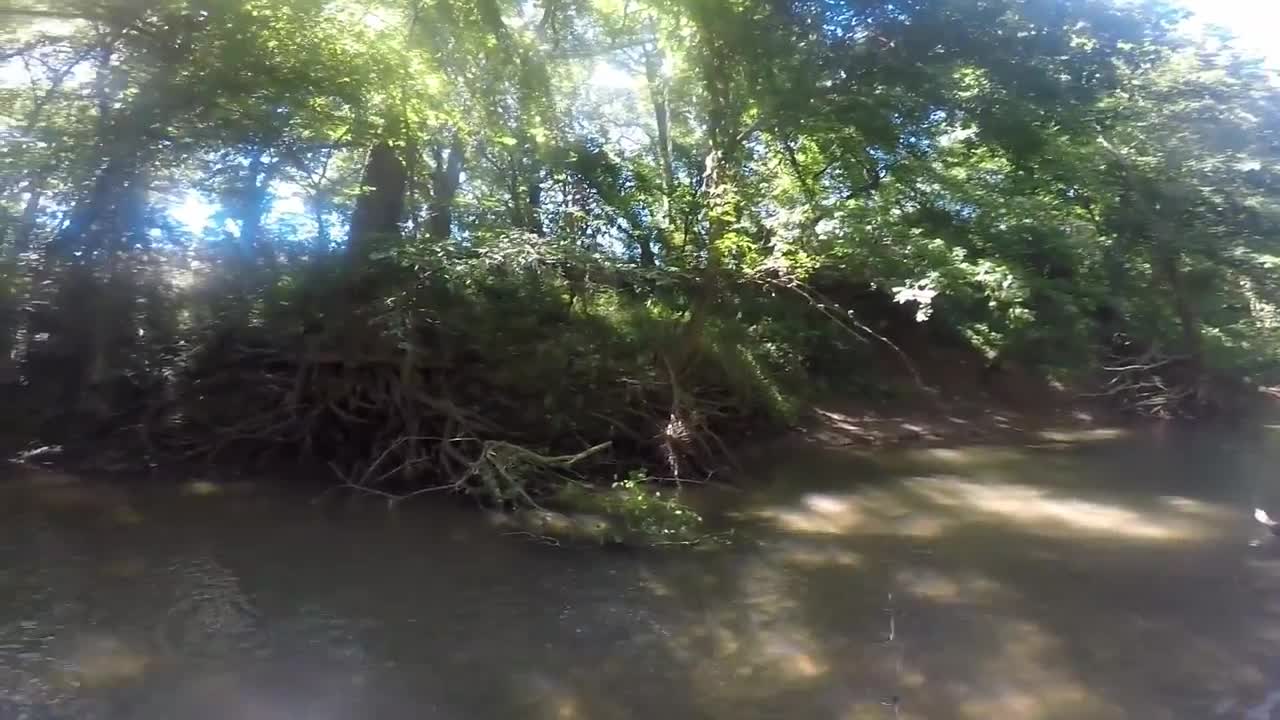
949,422
928,419
959,406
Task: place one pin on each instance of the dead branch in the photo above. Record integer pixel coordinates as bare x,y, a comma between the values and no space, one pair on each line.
847,323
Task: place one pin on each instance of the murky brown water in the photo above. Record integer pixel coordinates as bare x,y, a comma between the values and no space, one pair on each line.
1091,577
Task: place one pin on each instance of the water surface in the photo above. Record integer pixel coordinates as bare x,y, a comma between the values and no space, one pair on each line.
1082,577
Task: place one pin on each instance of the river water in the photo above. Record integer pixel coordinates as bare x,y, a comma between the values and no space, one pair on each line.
1078,576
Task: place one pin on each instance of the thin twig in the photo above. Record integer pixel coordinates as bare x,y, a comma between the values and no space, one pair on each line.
821,304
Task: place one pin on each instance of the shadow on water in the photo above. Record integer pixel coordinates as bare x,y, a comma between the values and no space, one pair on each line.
1092,577
1107,580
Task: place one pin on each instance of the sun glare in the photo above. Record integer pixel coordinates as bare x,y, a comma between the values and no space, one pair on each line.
193,212
608,75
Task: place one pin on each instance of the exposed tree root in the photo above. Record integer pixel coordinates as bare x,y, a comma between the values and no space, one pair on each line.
399,424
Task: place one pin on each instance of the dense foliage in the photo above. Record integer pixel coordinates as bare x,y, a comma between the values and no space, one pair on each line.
467,243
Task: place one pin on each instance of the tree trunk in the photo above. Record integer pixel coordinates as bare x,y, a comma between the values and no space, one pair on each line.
662,119
724,141
444,189
526,188
92,256
30,216
319,211
1166,258
1156,206
1188,320
257,196
380,206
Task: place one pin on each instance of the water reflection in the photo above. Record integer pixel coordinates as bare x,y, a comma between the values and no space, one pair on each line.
1107,579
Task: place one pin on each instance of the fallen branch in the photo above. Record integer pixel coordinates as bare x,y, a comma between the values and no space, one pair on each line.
846,323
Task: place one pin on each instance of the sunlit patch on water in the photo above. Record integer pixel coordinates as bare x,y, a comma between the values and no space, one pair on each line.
1026,676
201,488
97,660
819,513
1082,435
793,662
814,555
971,457
565,708
940,587
927,507
1036,509
867,511
753,647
